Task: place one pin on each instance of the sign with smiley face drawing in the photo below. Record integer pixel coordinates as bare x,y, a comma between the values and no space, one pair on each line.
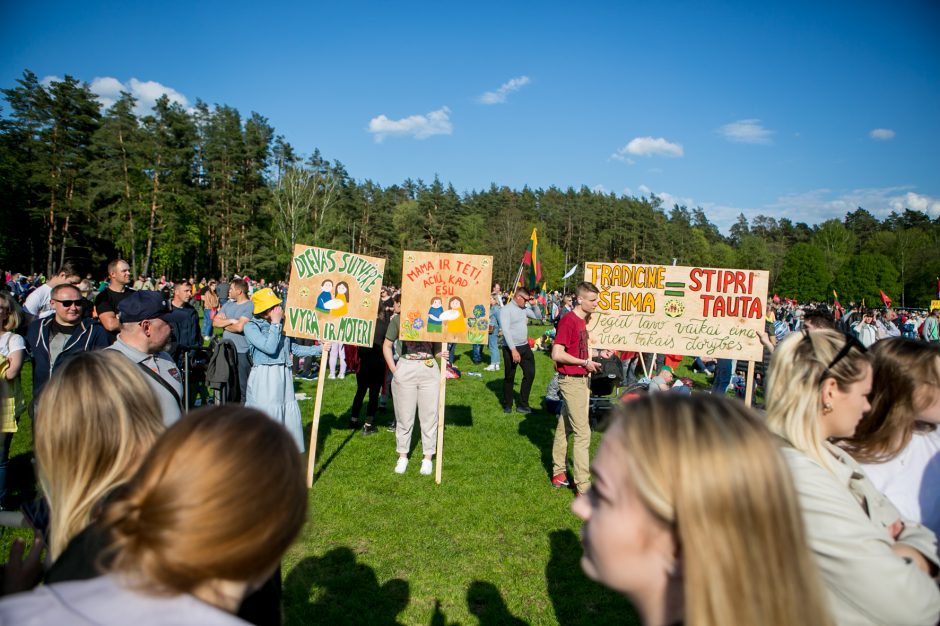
333,295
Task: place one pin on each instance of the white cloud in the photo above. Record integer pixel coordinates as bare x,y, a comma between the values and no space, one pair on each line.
819,205
499,96
48,80
600,189
746,131
882,134
917,202
417,126
643,189
648,146
108,90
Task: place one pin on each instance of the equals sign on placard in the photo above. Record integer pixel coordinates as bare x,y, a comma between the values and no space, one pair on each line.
675,290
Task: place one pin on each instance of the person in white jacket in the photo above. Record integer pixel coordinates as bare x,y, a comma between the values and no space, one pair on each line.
878,566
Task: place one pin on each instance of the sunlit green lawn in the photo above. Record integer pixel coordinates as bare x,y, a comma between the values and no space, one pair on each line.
492,544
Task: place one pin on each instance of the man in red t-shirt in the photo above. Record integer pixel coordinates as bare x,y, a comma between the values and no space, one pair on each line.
574,366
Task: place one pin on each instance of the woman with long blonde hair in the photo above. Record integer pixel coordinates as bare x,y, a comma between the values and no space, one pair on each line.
876,564
96,420
897,442
693,516
206,519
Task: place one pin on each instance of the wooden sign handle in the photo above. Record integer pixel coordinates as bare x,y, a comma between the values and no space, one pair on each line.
438,458
748,391
312,451
646,372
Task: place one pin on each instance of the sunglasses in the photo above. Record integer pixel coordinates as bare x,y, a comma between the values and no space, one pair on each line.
850,342
69,303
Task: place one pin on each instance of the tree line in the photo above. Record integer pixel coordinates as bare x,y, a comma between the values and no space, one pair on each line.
207,191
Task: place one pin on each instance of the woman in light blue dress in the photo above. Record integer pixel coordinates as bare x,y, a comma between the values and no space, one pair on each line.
271,383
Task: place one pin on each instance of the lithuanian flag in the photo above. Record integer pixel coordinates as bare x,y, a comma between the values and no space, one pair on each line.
531,266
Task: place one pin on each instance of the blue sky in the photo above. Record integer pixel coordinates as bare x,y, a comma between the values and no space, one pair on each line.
804,110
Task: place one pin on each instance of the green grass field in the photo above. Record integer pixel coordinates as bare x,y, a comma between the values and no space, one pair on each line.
492,544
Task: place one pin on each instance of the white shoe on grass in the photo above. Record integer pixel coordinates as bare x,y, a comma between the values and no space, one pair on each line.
401,465
426,467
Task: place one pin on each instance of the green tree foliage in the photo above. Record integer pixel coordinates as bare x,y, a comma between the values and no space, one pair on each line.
804,276
208,191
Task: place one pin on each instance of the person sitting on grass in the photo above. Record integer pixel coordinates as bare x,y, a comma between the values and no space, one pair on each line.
693,516
182,546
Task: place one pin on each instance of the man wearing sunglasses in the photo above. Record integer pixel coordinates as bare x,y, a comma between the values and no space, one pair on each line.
55,339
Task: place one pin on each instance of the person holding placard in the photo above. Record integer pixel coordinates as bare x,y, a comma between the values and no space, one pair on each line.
574,366
416,381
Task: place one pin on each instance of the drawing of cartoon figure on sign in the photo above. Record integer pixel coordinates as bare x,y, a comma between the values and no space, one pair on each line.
434,315
339,306
456,317
326,294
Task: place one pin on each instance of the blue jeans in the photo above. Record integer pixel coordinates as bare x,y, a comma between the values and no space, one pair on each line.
206,323
494,349
476,353
723,374
5,440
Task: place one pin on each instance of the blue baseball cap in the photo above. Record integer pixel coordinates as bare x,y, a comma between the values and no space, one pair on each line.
144,305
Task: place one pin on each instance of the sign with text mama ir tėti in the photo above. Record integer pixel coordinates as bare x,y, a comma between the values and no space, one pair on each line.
445,296
333,295
695,311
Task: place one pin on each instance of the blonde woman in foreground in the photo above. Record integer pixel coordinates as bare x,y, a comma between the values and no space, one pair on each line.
692,515
184,549
877,565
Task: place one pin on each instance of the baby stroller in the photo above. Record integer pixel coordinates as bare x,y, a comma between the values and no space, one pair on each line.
603,384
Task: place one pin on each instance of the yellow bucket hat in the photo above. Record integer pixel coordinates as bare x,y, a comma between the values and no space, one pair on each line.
264,299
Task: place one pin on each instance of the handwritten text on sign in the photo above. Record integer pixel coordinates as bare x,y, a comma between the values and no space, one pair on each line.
333,295
678,310
445,297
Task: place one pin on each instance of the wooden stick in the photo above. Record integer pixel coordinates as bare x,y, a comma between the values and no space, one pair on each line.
438,458
312,451
646,372
750,383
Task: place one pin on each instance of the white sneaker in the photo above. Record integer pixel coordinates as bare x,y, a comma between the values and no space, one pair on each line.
332,376
341,376
491,368
426,467
402,465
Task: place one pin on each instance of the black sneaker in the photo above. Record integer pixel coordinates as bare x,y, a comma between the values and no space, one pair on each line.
353,423
369,428
507,409
391,427
523,409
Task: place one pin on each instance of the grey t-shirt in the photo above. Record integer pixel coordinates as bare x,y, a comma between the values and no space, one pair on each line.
233,311
163,366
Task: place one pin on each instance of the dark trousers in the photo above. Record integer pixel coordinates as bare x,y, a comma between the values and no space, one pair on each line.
723,374
370,377
244,368
527,362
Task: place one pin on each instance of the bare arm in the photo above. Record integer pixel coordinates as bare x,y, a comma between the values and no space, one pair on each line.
387,347
563,358
16,362
110,321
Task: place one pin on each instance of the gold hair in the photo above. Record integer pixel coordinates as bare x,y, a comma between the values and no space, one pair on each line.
906,379
709,467
221,496
13,312
794,386
96,419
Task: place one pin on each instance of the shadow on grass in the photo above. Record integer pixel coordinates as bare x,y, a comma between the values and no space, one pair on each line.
347,592
339,448
539,428
486,602
575,598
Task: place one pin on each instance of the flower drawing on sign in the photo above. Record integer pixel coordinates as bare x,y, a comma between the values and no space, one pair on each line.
304,292
366,302
674,308
410,259
479,310
418,324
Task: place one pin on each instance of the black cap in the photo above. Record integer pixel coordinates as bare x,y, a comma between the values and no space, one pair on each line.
144,305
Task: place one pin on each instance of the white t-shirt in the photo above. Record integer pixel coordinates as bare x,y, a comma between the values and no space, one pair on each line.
10,343
911,480
39,303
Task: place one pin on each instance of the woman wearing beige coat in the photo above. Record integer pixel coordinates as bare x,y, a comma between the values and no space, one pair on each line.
878,567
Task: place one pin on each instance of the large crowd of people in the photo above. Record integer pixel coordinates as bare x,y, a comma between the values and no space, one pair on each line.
821,508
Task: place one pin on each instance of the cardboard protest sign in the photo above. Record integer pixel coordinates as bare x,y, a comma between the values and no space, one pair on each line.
678,310
333,295
445,297
934,304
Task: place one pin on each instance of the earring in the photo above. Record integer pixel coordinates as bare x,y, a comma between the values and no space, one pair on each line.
827,407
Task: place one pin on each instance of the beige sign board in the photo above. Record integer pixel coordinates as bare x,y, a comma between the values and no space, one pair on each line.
445,297
669,309
333,295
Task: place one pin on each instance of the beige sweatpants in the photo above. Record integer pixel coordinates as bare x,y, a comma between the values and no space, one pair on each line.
573,419
416,385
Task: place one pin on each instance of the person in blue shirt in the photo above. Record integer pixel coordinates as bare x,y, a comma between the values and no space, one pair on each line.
270,383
